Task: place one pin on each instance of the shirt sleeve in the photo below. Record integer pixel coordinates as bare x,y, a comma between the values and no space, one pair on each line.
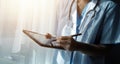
111,26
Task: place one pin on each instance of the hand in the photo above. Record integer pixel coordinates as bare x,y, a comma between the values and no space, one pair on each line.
52,42
67,42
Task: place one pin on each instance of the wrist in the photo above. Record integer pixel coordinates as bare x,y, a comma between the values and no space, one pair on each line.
76,46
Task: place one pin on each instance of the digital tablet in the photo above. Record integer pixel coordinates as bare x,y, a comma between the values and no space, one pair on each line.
41,39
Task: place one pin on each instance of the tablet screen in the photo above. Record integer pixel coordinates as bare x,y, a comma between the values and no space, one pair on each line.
40,39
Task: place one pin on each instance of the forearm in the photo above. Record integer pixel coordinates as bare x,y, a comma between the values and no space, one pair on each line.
93,49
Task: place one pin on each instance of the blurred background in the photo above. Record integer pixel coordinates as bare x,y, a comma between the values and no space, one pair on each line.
35,15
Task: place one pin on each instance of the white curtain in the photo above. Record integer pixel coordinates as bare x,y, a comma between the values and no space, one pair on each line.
34,15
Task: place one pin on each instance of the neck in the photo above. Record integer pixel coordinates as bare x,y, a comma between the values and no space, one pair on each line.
81,5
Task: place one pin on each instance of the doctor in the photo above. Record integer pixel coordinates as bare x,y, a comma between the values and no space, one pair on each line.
98,23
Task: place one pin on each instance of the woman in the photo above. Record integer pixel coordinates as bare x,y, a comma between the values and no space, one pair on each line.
98,23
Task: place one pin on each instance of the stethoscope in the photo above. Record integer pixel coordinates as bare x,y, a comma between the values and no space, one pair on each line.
93,11
91,14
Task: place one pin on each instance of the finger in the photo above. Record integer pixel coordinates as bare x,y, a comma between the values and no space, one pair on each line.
48,36
64,38
65,44
63,41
